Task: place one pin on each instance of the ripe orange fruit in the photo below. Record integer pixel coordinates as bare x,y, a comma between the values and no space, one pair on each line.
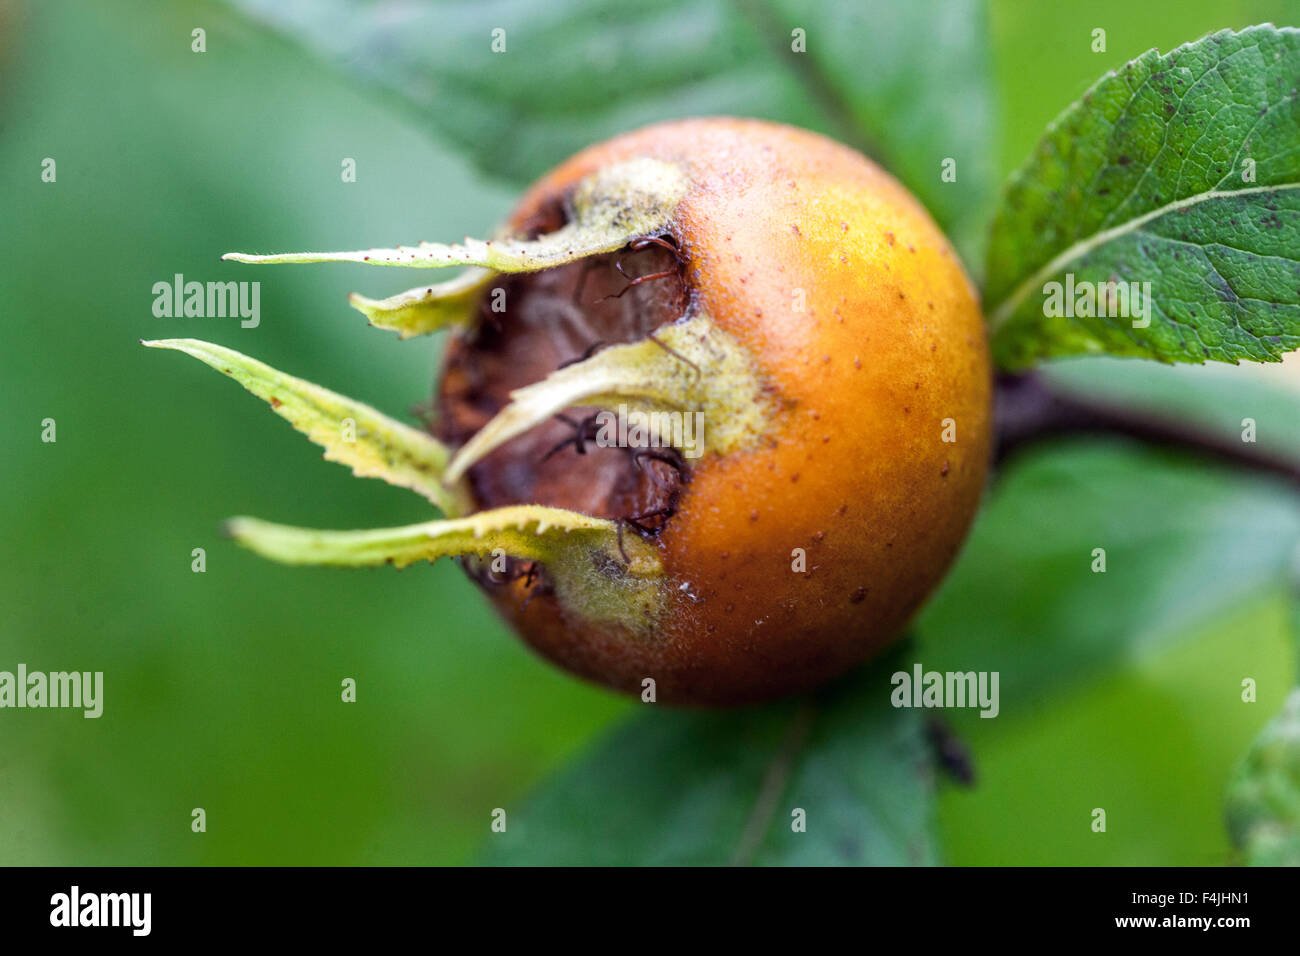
713,424
868,342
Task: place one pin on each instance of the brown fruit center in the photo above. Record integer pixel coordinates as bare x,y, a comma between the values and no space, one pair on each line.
550,319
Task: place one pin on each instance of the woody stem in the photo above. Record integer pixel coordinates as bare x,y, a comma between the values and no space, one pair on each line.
1028,411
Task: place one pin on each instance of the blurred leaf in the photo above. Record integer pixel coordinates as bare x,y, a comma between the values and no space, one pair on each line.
1217,398
906,83
1263,798
1179,170
1180,544
1153,741
1263,809
676,788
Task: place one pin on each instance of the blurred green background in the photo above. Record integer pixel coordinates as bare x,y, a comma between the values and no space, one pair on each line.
222,688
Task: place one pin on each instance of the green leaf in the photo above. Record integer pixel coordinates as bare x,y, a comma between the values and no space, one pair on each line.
909,84
677,788
1179,170
352,433
1181,544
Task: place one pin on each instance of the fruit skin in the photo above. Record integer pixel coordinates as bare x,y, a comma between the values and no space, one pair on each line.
854,470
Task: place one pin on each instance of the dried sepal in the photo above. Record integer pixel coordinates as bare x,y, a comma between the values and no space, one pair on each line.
609,209
691,366
352,433
428,308
596,570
